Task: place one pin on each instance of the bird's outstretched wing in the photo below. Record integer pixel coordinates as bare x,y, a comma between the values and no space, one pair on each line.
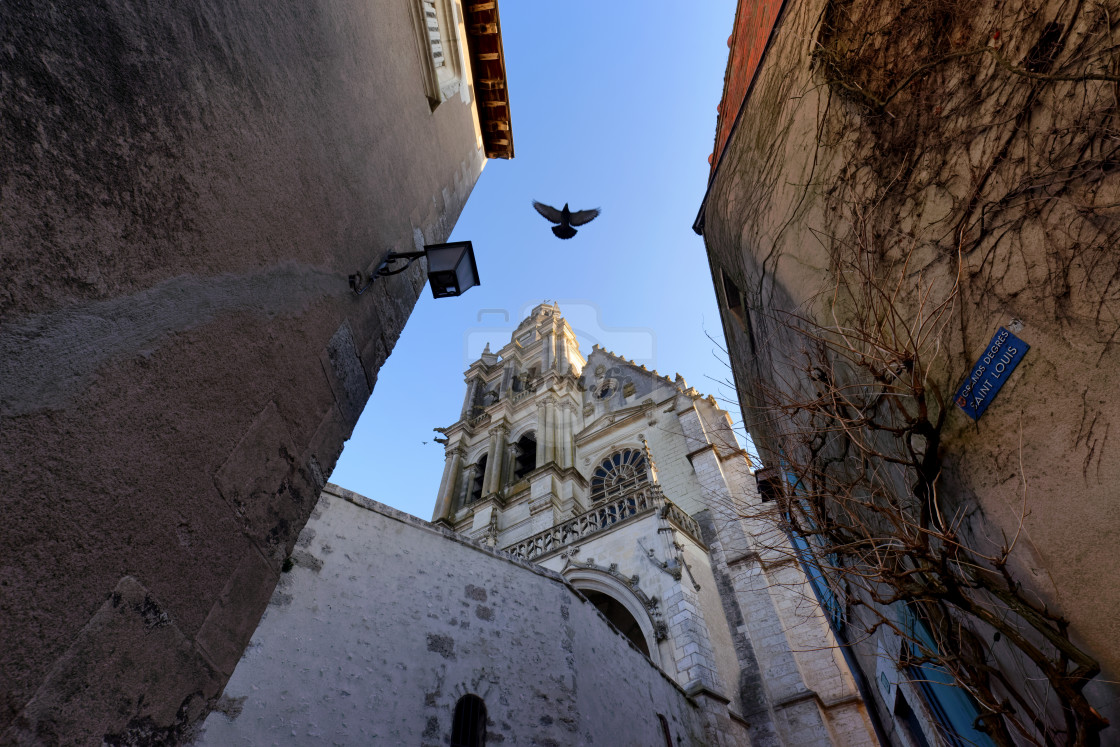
548,212
584,216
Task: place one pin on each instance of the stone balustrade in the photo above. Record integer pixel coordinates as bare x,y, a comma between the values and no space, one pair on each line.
638,502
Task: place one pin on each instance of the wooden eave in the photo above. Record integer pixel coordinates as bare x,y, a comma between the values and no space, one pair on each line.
488,69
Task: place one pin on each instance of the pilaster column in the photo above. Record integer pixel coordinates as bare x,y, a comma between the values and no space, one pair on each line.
542,432
513,451
561,352
570,437
564,436
468,483
447,485
468,403
494,462
550,448
651,466
548,355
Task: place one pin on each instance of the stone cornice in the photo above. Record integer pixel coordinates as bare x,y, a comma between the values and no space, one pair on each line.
706,447
562,473
622,418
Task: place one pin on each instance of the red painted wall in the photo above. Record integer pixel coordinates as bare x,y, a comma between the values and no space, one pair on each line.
754,20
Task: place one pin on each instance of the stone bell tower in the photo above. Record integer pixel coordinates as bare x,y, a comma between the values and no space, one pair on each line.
633,487
512,448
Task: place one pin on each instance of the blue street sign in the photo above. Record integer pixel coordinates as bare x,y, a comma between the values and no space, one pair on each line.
990,372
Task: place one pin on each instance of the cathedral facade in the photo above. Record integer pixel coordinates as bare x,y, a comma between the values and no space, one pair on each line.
592,574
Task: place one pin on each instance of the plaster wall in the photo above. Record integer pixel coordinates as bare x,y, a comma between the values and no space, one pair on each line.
771,224
186,188
385,621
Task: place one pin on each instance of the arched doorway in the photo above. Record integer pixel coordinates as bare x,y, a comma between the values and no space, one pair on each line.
619,604
620,617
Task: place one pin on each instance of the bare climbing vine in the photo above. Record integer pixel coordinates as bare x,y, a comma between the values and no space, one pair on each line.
975,164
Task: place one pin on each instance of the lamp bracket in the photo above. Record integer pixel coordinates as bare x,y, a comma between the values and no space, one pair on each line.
383,270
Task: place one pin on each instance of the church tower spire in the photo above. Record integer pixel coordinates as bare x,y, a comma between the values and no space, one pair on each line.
519,415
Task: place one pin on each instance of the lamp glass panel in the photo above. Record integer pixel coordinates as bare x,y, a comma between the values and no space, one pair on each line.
467,272
444,257
443,260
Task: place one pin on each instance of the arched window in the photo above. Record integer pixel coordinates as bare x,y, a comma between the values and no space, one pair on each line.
618,474
665,731
468,729
479,478
526,460
483,398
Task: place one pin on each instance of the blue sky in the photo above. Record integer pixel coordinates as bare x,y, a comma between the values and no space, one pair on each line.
613,106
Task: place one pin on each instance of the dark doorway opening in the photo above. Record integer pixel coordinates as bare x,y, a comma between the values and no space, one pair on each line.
619,616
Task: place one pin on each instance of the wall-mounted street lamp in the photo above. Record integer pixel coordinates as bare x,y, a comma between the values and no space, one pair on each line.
451,269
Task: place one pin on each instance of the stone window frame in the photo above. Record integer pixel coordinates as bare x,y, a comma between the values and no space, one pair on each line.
735,303
443,77
606,389
475,488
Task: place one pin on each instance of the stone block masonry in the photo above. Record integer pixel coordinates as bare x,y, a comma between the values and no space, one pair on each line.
332,658
186,188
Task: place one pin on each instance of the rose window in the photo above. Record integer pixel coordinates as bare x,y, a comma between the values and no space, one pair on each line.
618,474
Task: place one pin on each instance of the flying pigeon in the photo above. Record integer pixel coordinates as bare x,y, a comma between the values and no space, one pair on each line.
566,218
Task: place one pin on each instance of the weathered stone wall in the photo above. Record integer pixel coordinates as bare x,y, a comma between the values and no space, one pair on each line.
185,189
385,621
794,685
963,152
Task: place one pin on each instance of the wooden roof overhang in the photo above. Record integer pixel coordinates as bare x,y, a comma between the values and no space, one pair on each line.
488,69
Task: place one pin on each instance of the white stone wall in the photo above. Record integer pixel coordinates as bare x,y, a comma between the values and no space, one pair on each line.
385,621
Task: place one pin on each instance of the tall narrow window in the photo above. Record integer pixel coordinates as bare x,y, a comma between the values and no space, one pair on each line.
468,729
526,456
733,299
665,731
437,36
479,480
435,40
810,555
770,484
905,715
